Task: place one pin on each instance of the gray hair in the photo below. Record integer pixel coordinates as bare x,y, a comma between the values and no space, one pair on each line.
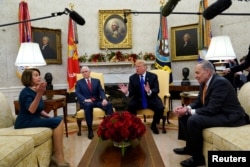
85,67
207,65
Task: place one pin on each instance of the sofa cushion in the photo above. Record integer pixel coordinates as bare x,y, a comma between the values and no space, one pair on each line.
39,135
6,117
244,97
14,148
228,138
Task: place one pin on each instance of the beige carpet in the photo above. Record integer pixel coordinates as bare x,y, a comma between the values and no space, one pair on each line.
73,128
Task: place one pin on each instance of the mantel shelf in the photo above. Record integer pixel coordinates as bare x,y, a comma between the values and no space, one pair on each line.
124,63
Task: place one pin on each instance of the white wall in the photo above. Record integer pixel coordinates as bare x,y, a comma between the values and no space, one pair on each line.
144,31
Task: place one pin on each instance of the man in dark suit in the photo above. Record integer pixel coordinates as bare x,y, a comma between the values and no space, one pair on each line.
91,94
47,51
243,66
217,105
187,47
150,89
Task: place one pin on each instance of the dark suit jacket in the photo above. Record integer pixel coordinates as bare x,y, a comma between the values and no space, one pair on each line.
189,49
242,66
48,52
154,101
83,92
220,99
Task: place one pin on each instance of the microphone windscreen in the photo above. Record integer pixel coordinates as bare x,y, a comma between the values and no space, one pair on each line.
169,7
77,18
216,8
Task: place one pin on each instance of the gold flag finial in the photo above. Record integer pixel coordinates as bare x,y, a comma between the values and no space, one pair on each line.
71,5
162,2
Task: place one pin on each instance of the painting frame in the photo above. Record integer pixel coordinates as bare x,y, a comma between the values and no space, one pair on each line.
109,38
181,51
53,52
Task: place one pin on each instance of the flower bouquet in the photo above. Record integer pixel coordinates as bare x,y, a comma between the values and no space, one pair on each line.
116,56
133,57
99,57
149,56
121,127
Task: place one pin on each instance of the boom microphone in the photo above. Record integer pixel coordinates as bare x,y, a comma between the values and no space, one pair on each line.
216,8
169,7
75,16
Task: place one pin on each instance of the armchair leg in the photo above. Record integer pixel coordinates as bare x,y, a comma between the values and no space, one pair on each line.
163,124
144,116
168,114
79,124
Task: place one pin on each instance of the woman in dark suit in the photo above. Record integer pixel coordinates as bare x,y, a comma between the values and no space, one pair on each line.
217,105
150,89
32,113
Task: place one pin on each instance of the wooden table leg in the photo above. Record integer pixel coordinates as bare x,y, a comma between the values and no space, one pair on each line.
65,114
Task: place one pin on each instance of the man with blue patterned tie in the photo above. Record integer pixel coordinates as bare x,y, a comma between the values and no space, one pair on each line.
136,90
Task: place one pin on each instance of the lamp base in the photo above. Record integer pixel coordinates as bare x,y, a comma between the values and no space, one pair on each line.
220,67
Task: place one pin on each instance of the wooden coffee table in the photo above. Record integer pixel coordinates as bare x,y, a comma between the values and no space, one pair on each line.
142,153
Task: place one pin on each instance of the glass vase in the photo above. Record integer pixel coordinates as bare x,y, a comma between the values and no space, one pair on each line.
123,145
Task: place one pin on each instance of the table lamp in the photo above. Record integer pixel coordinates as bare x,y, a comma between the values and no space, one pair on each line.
29,55
220,49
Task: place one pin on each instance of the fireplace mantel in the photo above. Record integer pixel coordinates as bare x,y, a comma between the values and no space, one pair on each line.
115,72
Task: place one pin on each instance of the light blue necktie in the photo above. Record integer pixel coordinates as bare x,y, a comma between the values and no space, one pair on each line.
144,100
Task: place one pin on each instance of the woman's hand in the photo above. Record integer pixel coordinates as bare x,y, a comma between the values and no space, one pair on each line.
226,71
41,88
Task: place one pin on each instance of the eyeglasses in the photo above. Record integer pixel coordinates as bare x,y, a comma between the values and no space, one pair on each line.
84,71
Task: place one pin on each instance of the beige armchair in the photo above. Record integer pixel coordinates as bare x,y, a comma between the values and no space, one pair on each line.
163,78
97,112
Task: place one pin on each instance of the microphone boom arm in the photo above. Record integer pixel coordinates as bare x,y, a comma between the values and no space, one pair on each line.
40,18
187,13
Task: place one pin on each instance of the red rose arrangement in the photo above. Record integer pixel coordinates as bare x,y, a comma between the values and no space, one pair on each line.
121,126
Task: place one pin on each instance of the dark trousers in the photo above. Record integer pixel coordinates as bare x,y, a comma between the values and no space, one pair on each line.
155,106
88,111
191,127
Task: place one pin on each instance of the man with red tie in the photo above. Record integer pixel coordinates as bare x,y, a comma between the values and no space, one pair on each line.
90,94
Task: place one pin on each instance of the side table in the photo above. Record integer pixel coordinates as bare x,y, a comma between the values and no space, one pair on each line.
175,90
188,97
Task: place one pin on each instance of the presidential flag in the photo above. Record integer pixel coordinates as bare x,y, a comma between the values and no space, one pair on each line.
163,59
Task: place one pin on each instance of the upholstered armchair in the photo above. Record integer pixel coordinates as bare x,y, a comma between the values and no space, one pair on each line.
163,78
97,112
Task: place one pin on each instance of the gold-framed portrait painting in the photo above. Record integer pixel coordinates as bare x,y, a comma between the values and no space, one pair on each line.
49,41
114,33
185,42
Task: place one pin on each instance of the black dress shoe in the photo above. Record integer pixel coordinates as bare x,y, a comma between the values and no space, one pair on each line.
191,163
154,129
90,134
182,151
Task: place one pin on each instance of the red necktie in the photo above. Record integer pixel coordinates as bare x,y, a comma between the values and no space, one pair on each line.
89,85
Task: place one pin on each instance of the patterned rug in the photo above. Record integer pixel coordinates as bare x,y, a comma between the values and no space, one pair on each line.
73,128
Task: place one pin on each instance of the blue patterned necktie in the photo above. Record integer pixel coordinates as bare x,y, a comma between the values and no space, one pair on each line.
144,100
